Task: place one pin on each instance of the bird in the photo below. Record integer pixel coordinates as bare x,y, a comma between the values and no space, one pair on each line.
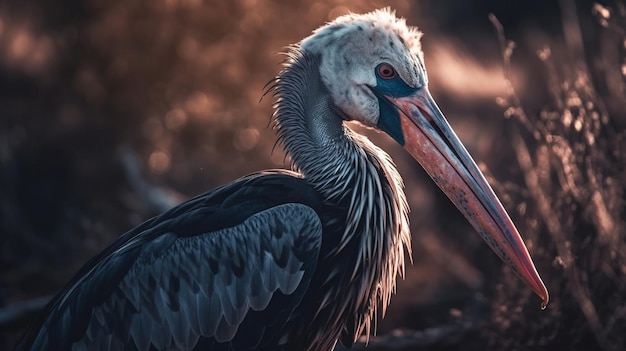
298,259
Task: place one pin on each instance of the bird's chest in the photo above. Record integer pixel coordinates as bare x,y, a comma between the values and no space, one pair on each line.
342,293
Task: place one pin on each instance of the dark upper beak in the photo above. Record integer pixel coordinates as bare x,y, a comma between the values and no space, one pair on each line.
432,142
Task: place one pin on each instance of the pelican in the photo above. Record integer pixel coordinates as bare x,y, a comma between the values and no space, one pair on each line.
299,259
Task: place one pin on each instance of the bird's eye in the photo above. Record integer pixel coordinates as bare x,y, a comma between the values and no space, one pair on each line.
385,71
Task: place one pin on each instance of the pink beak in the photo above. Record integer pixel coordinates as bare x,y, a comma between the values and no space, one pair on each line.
432,142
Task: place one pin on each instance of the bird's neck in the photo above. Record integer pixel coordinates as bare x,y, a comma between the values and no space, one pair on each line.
309,127
347,169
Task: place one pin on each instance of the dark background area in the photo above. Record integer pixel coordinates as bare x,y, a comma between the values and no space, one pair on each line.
113,111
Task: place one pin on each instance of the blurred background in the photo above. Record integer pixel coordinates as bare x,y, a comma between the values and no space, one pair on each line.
112,111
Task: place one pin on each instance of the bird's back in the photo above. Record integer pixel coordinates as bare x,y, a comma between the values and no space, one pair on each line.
203,275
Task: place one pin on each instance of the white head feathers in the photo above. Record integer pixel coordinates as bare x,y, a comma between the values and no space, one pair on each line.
350,48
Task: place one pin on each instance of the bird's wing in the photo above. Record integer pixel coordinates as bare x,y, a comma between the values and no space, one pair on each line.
173,285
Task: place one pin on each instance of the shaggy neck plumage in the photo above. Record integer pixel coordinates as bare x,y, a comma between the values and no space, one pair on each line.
346,168
308,127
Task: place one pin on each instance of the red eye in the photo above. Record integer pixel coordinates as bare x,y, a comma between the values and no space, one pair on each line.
385,71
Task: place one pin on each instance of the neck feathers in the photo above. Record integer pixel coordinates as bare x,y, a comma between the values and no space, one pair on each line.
348,170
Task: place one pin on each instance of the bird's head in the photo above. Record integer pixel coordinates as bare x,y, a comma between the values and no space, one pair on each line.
366,57
373,68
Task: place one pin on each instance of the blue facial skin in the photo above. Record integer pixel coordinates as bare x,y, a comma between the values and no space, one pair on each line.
389,120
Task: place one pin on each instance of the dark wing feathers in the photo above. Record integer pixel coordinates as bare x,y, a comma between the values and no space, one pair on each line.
193,275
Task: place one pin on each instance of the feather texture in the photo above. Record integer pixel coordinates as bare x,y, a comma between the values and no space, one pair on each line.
363,252
181,291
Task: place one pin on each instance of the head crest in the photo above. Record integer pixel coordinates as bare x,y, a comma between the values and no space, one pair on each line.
376,21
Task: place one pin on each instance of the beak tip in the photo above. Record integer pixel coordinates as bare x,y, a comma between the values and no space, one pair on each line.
545,297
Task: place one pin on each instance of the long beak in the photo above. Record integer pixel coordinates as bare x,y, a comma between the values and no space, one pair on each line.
432,142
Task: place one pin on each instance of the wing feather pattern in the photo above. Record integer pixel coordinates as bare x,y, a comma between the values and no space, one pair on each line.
181,289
